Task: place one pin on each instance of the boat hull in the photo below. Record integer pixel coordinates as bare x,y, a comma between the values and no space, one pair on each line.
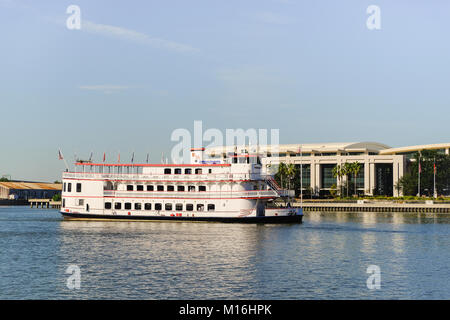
260,219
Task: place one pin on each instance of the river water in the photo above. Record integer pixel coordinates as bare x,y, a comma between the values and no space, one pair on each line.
326,257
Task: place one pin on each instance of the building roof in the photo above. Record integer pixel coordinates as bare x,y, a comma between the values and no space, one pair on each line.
416,148
31,185
308,147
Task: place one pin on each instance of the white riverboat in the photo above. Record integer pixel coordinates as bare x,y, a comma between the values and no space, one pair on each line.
236,189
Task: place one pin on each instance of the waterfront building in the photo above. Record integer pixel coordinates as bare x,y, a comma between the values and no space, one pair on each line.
381,166
19,190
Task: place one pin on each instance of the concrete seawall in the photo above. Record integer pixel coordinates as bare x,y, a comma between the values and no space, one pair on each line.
376,206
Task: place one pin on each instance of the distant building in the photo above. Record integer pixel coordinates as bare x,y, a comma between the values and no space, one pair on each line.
28,190
381,165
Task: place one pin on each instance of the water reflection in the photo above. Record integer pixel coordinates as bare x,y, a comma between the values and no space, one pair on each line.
324,258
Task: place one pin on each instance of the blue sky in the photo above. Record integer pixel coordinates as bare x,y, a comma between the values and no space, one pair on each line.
137,70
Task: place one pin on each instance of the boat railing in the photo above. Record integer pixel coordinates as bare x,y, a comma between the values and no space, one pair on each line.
190,194
164,177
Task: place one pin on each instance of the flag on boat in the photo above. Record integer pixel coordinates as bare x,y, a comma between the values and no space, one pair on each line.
60,156
104,156
132,158
118,160
147,157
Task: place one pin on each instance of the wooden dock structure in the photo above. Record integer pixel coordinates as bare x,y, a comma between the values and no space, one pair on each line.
44,203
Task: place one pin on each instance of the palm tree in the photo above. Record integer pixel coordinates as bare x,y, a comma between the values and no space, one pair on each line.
356,167
347,172
338,173
290,173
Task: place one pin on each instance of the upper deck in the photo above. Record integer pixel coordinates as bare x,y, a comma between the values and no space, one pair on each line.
167,172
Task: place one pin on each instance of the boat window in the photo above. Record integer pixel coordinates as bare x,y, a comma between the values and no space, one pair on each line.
188,171
107,205
170,188
118,205
209,170
81,202
158,206
180,188
160,188
64,187
168,206
191,188
63,203
148,206
127,206
69,187
211,207
140,187
200,207
78,187
150,188
198,171
167,171
189,207
137,206
130,187
179,207
202,188
178,171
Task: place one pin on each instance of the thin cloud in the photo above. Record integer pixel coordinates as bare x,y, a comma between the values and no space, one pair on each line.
273,18
135,36
105,88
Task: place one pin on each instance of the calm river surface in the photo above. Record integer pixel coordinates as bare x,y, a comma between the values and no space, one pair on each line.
326,257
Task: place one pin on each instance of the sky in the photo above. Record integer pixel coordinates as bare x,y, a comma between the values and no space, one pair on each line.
138,70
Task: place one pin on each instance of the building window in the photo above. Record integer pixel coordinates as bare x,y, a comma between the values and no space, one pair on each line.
160,188
69,187
158,206
179,207
127,205
202,188
327,175
170,188
139,187
180,188
130,187
148,206
189,207
150,188
188,171
168,207
78,187
118,205
211,207
167,171
107,205
200,207
177,171
137,206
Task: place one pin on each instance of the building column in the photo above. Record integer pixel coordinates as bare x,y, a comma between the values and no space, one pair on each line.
367,177
372,178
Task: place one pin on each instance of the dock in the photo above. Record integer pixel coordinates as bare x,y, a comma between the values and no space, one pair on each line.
44,203
376,206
